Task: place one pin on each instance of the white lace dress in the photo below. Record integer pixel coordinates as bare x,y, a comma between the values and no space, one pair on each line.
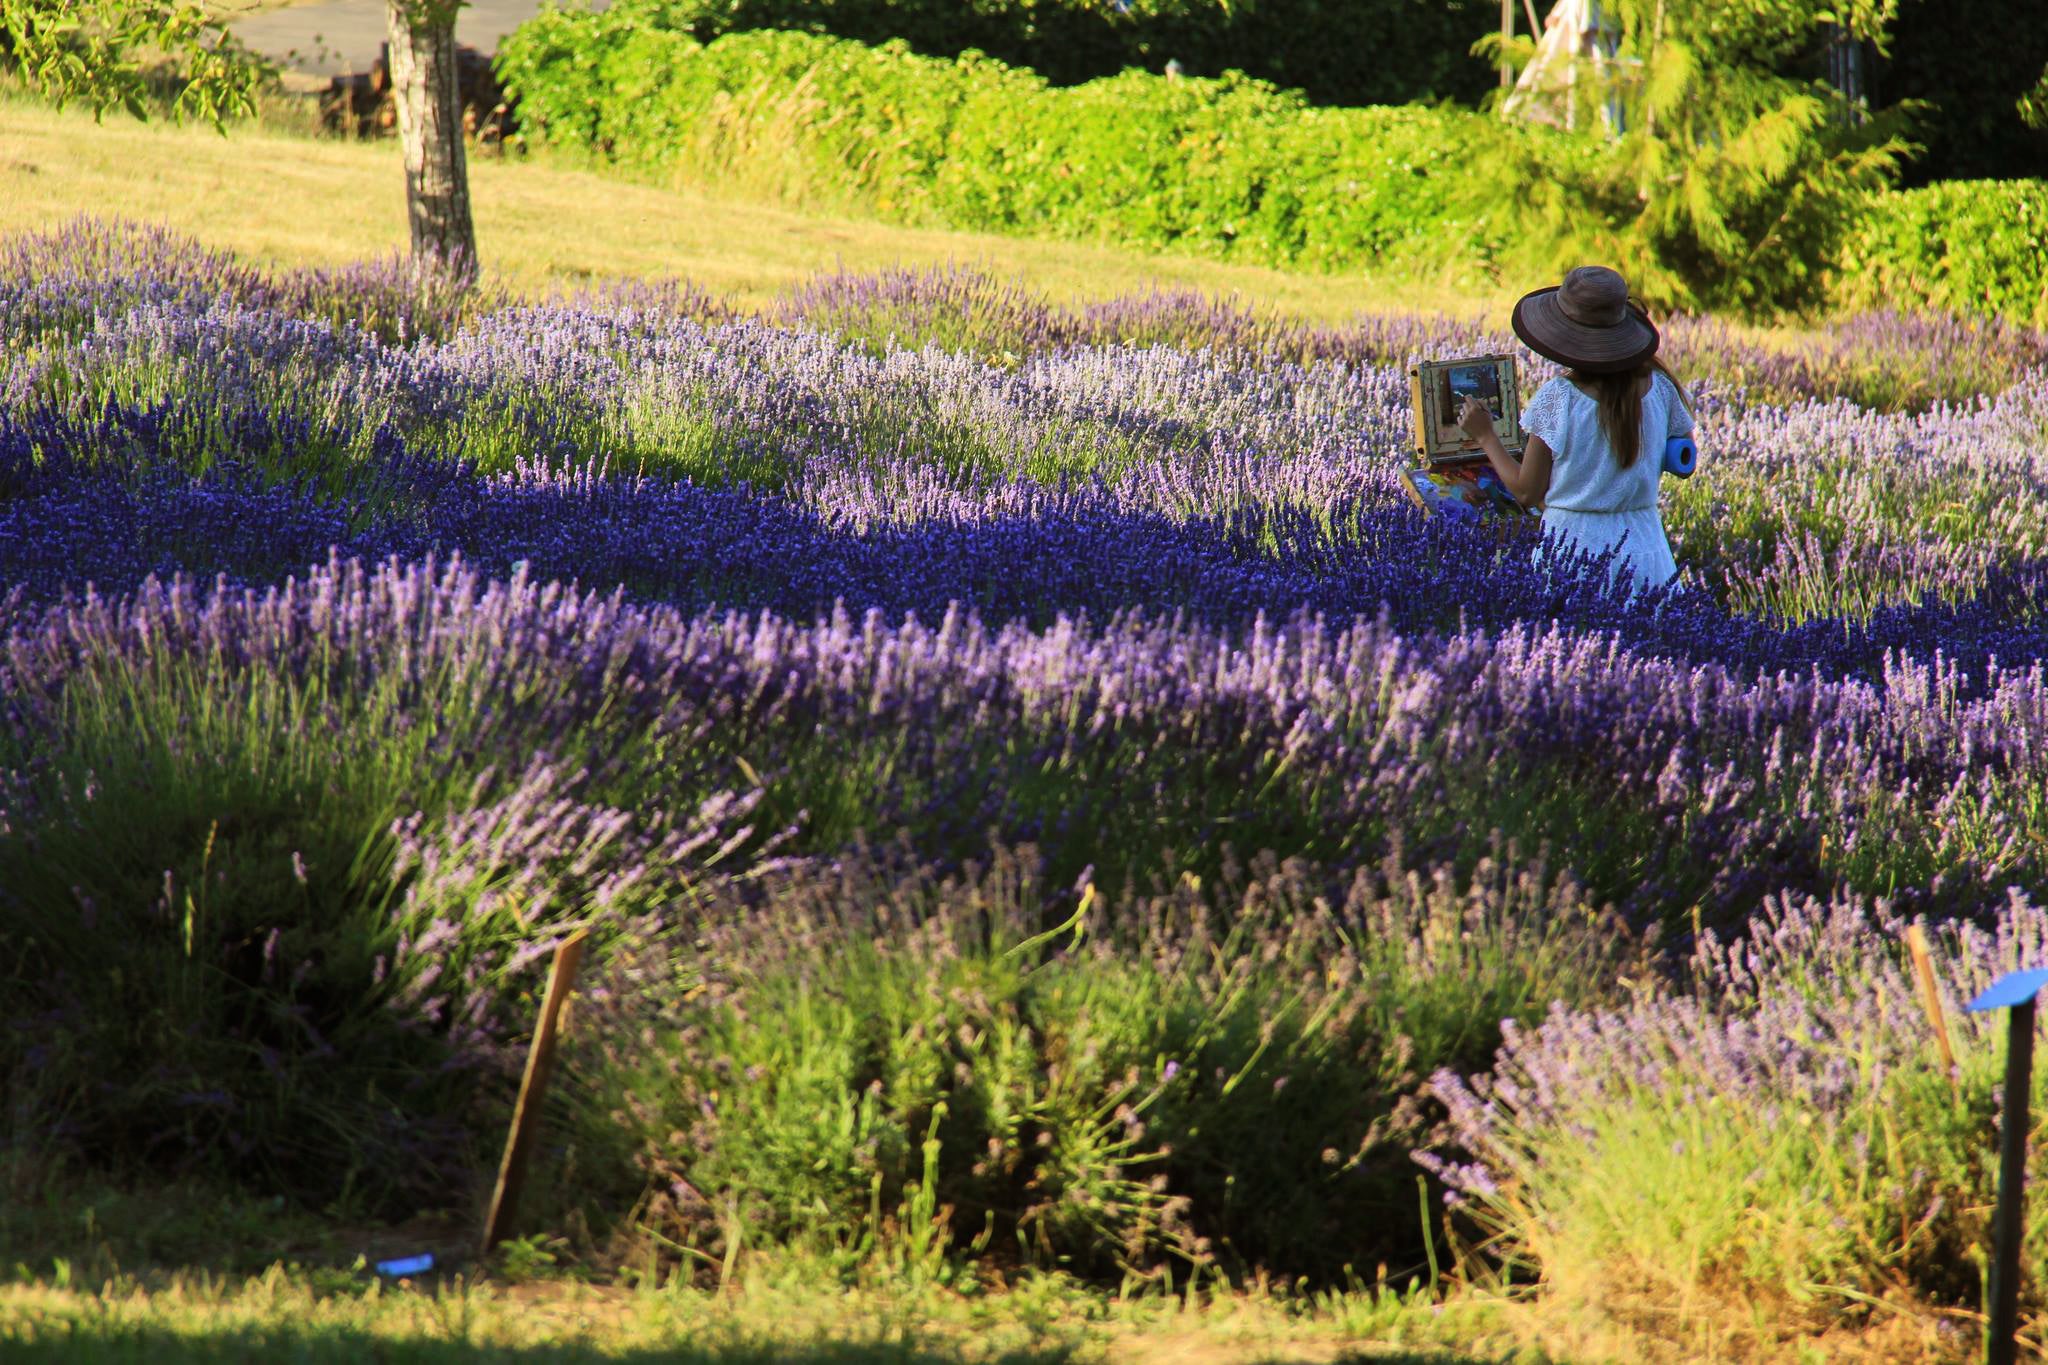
1594,504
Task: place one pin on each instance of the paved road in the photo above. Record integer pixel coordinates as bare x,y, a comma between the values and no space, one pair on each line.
343,35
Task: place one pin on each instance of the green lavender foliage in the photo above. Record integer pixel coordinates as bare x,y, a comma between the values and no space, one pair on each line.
1789,1129
1217,1075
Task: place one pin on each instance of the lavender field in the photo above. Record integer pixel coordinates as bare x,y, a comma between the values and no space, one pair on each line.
1039,792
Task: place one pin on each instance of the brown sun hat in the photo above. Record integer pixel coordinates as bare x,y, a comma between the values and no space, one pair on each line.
1587,322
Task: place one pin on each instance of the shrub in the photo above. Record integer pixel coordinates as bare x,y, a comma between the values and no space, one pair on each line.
1363,52
1782,1130
1724,186
1230,167
1212,1075
266,919
1237,169
1978,246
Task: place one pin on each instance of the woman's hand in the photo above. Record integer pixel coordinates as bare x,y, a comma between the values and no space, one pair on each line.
1474,419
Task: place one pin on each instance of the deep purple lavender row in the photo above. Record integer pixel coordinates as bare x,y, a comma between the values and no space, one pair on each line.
1066,552
184,431
1666,785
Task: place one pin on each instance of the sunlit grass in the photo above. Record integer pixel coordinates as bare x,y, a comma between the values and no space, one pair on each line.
773,1310
92,1273
286,198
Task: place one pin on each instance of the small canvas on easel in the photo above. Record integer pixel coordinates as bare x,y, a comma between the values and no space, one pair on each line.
1454,478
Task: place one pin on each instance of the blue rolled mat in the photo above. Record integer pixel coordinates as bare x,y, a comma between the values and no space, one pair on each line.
1681,456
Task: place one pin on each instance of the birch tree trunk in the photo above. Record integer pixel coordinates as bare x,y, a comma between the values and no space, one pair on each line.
423,79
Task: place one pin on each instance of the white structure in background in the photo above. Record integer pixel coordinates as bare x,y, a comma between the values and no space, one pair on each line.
1578,42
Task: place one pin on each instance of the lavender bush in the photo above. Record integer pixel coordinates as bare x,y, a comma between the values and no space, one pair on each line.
1784,1126
1210,1075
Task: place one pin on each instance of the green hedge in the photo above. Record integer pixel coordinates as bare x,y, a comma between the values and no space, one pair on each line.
1230,167
1346,52
1972,246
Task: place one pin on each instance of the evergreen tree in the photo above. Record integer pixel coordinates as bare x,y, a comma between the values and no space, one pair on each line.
1729,186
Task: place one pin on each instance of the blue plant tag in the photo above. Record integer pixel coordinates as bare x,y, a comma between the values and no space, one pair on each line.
410,1265
2014,988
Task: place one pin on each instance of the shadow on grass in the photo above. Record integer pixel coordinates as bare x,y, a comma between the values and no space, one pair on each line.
174,1257
163,1346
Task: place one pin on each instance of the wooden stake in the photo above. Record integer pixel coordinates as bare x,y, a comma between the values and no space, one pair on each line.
1930,999
526,1111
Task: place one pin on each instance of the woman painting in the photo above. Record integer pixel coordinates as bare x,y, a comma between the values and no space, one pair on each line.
1596,433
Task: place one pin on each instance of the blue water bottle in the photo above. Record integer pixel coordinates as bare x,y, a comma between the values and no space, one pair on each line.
1681,456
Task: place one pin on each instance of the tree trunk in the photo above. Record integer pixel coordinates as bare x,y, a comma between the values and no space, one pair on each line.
423,78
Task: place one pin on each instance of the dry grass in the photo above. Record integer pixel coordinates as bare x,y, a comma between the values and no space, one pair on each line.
1743,1331
788,1317
293,199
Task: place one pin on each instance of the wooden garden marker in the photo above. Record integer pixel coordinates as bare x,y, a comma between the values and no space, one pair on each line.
2015,992
1930,999
526,1111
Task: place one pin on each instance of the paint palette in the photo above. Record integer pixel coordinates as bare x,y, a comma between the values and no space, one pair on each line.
1454,478
1463,492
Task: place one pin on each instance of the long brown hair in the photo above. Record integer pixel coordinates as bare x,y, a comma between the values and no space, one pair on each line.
1621,404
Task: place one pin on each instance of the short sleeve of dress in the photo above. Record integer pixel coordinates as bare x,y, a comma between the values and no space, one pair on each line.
1545,415
1678,417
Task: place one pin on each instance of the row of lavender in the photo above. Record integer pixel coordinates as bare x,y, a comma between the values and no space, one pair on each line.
1138,575
1889,361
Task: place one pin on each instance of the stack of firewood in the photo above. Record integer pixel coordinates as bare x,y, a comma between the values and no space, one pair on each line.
361,103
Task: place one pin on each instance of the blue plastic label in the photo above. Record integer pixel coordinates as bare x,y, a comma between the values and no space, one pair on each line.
410,1265
2014,988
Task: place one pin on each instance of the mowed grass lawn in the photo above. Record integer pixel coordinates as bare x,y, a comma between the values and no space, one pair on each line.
287,198
283,1316
93,1275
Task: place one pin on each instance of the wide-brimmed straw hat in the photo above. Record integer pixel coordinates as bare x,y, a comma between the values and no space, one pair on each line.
1588,322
